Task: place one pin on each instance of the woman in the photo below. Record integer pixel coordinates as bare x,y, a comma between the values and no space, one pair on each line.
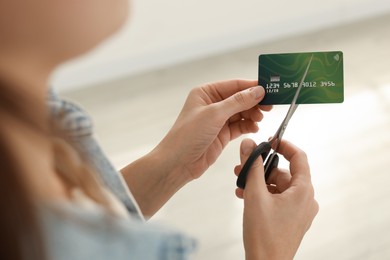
62,199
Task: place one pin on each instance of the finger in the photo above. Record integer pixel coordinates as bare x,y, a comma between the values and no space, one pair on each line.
246,148
266,108
227,88
255,179
240,193
273,189
235,118
242,127
240,101
253,114
299,166
237,169
281,178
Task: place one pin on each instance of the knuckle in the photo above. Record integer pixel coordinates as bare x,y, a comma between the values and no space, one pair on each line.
258,164
239,98
316,207
195,90
307,192
310,190
216,113
303,154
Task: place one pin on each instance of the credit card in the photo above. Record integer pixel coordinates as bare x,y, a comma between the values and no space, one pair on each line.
280,75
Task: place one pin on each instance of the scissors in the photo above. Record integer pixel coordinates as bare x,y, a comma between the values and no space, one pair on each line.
264,148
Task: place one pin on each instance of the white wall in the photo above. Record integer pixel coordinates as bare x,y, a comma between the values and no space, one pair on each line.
165,32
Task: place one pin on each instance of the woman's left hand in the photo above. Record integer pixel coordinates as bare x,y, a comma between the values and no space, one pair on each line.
213,115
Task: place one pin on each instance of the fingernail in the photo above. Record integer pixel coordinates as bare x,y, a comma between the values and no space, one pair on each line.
257,92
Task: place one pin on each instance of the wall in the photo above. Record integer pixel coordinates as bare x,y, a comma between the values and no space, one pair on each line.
162,33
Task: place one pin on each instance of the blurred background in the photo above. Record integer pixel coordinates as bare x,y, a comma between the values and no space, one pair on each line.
135,84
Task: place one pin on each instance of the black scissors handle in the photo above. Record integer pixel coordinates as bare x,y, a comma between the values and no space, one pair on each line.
271,163
262,149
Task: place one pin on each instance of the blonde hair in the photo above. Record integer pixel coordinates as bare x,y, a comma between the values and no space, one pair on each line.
20,223
75,172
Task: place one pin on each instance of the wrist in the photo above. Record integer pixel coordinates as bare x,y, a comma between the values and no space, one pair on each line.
172,152
261,250
264,256
173,171
153,180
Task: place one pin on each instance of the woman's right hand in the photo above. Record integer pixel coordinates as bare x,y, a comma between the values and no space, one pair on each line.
277,214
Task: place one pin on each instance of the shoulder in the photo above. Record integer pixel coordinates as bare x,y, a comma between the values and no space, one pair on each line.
69,116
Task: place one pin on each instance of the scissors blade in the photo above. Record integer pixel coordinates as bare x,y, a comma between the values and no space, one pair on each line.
294,104
293,107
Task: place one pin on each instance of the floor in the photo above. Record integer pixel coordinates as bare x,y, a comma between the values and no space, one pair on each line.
348,144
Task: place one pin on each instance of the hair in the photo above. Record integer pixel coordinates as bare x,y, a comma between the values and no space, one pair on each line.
21,236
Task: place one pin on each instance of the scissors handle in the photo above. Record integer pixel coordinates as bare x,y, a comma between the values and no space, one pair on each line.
262,149
271,163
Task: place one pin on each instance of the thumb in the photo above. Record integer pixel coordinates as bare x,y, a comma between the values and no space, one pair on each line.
255,179
242,100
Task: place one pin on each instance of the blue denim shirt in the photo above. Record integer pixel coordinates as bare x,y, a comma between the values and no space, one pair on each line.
74,232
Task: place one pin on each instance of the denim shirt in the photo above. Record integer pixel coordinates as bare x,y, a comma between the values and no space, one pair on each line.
74,232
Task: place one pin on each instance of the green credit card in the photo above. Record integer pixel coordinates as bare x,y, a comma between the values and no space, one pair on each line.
281,74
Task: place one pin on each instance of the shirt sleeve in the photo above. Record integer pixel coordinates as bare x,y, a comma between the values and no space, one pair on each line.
78,234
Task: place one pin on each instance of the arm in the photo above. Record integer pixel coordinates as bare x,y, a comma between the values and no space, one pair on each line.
278,214
212,116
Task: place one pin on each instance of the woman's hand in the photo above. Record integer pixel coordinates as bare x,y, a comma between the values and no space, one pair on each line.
277,214
213,115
